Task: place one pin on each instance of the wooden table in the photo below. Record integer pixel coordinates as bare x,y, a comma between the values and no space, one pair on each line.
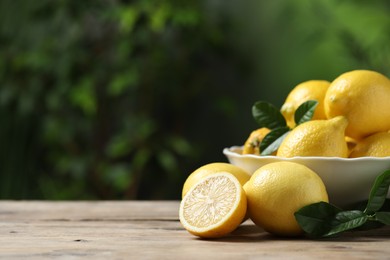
151,230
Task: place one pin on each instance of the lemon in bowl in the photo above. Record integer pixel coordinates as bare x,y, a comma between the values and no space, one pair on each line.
347,180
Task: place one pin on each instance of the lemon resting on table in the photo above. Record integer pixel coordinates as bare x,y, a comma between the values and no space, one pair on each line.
277,190
217,203
214,206
213,168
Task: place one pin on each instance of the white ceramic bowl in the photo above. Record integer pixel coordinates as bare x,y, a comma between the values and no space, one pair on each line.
347,180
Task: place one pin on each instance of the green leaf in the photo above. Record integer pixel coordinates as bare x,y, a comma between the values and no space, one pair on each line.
305,111
378,193
316,219
323,219
370,224
347,220
383,217
267,115
272,140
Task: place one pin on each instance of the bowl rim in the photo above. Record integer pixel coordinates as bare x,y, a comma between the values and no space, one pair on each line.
232,151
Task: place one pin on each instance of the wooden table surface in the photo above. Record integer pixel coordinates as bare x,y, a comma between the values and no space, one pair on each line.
151,230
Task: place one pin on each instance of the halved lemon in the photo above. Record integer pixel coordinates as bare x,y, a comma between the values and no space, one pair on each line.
214,206
212,168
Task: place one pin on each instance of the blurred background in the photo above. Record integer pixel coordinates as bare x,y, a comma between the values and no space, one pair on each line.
111,99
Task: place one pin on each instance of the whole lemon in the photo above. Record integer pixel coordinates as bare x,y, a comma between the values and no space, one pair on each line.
212,168
316,138
351,143
377,145
277,190
252,144
308,90
362,96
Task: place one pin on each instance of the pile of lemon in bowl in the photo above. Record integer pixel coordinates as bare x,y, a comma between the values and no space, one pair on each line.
351,119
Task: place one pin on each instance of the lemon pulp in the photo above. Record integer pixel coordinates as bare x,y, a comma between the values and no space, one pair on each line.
214,207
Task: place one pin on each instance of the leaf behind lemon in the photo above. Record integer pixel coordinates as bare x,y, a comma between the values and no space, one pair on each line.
267,115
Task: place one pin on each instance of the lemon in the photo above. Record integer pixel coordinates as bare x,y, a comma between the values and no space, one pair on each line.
252,144
213,168
377,145
362,96
214,206
316,138
277,190
308,90
351,143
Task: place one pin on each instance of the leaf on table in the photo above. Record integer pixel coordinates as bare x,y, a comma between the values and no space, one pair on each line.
347,220
316,219
378,193
383,217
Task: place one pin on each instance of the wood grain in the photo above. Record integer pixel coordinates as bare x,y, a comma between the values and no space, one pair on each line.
151,230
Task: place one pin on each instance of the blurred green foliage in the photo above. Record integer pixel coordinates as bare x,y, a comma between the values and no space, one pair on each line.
294,41
123,99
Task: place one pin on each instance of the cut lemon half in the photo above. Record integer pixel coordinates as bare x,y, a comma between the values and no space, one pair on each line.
212,168
213,207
